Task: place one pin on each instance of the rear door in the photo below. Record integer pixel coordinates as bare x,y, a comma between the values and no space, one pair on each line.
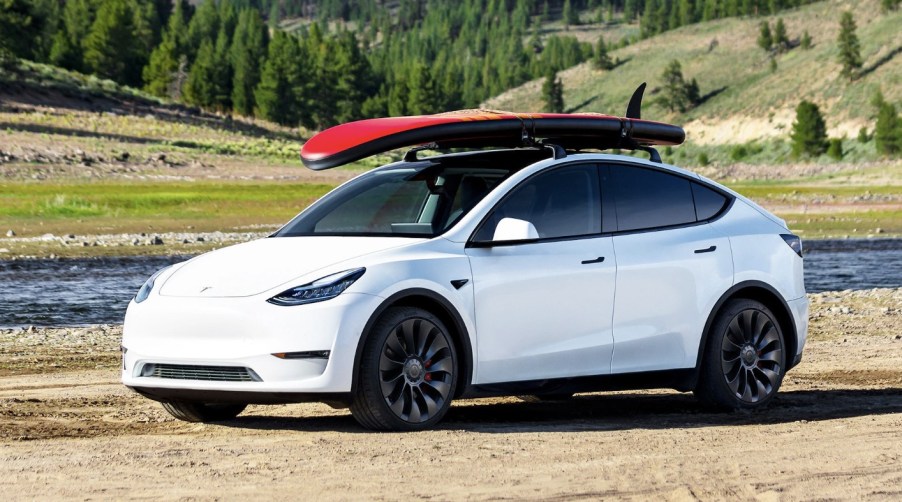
671,266
543,306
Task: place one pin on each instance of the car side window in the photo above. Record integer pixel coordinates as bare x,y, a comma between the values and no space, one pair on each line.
563,202
708,203
647,198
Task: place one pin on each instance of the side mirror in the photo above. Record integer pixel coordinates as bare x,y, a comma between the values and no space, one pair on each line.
512,229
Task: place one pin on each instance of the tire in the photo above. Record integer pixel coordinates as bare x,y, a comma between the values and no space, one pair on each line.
203,412
408,372
745,358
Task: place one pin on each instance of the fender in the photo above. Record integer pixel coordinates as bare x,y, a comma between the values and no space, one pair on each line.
789,327
450,313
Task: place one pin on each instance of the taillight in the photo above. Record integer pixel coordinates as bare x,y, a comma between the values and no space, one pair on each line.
793,241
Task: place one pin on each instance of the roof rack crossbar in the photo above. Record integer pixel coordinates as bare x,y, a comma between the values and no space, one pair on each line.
411,155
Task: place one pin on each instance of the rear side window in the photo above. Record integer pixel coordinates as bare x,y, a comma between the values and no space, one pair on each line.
646,198
708,203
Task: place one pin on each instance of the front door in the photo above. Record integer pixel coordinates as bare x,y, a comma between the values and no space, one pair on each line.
544,305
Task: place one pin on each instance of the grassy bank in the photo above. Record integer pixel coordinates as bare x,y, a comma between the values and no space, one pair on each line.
34,209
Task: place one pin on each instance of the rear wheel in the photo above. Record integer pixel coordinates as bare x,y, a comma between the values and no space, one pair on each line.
407,372
745,358
203,412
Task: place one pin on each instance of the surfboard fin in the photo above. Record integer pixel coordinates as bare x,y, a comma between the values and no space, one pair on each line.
634,109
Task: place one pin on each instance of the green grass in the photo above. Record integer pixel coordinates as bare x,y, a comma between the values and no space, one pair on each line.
37,208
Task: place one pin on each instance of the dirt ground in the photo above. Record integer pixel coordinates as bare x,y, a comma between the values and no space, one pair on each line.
69,430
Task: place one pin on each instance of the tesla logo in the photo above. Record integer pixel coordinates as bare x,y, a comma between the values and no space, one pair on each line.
206,288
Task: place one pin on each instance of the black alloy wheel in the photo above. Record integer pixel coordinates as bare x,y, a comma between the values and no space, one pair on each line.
407,372
745,357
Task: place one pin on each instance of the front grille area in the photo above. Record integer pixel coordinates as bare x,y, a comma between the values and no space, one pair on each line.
198,372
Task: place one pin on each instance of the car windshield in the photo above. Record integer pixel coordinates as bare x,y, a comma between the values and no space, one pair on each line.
406,201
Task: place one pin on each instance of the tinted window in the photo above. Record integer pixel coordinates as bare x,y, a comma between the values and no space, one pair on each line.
419,200
707,202
564,202
646,198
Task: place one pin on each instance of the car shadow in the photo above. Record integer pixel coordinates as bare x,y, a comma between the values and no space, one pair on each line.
617,412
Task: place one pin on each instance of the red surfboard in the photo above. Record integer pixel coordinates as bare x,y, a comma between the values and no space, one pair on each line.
481,128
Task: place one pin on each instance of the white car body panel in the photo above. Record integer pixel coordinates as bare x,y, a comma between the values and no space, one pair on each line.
254,267
555,309
665,291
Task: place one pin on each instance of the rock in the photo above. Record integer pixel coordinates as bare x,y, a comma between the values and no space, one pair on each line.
48,237
878,231
136,242
156,241
70,236
186,241
200,239
10,233
4,250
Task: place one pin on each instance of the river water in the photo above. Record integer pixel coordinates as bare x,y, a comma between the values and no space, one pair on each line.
73,292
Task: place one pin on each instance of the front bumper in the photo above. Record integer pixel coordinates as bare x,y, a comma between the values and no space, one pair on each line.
234,333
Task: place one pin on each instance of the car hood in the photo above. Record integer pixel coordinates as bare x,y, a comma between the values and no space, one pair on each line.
257,266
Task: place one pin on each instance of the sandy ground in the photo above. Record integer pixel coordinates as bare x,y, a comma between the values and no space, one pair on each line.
69,430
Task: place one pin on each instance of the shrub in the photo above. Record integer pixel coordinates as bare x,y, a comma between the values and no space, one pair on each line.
834,151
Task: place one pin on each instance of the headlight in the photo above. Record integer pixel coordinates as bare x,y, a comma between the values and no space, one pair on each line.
319,290
145,290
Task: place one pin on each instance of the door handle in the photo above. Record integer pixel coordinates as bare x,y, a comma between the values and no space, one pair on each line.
596,260
706,250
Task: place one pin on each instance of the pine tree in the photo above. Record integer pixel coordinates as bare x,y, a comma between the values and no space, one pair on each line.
163,65
553,93
685,12
571,17
765,38
200,89
888,131
806,40
423,97
849,47
675,94
355,81
630,10
109,49
19,26
809,131
889,5
280,94
834,149
649,24
204,25
602,61
247,54
781,39
67,50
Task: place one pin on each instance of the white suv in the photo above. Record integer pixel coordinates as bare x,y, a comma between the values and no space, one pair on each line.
506,272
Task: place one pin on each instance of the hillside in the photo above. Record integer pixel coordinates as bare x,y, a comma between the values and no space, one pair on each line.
745,99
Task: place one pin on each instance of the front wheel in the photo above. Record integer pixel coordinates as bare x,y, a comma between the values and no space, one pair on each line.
408,371
203,412
745,357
